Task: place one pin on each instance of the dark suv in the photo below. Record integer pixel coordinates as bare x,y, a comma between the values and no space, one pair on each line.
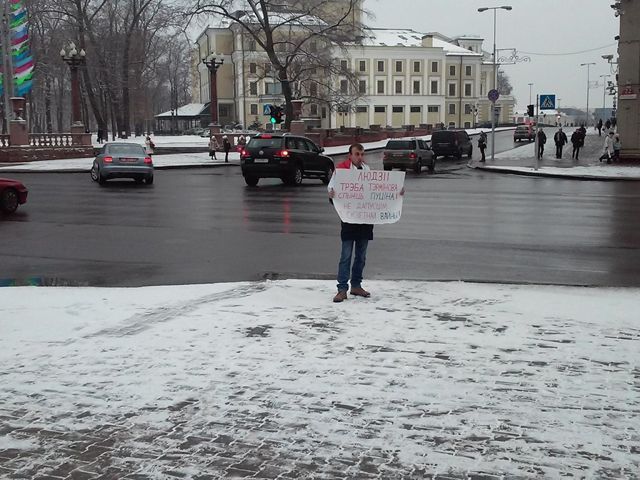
411,153
451,143
288,157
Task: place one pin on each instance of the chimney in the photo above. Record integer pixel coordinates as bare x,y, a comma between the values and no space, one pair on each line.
427,41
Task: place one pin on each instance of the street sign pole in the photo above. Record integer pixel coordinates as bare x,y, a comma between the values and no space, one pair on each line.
537,128
493,96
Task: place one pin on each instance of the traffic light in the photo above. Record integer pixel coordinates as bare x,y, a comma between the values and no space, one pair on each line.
530,110
275,112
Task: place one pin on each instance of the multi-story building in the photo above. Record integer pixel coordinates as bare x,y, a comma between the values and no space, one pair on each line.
400,77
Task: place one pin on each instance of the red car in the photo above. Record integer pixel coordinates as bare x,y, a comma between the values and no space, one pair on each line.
12,194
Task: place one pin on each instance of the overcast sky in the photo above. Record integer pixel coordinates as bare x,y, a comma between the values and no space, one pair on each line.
538,26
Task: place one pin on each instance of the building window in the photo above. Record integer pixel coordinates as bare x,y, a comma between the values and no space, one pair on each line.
467,124
343,65
224,110
253,68
362,86
434,87
253,88
452,109
467,89
416,67
381,65
313,108
252,46
416,87
468,109
380,87
380,109
467,70
452,71
415,109
267,68
324,112
253,109
434,67
398,87
481,89
344,86
399,66
362,66
452,89
313,89
433,108
361,109
273,88
397,109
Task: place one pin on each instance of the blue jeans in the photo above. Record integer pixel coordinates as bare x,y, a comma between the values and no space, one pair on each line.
358,263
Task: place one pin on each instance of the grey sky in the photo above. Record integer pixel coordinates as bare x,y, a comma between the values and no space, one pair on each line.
540,26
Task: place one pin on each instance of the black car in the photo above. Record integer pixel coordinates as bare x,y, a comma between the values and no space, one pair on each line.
288,157
451,143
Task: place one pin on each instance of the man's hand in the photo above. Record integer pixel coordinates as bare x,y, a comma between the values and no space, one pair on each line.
332,193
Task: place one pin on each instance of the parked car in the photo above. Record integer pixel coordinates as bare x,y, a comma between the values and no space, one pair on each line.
451,143
523,132
12,194
403,154
122,160
288,157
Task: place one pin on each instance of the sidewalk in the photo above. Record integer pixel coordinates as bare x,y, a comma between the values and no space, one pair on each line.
181,160
272,380
522,161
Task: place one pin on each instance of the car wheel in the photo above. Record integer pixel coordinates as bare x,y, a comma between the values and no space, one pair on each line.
470,153
328,174
9,201
386,167
250,180
149,180
459,154
418,168
138,180
94,173
101,179
296,177
432,166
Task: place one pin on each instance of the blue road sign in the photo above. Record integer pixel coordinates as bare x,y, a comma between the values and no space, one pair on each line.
266,109
493,95
547,102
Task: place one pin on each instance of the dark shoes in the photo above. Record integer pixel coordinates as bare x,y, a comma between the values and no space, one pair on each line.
360,292
340,296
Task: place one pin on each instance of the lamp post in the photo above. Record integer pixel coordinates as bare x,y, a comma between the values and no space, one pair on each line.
212,63
604,91
530,92
588,65
495,74
75,59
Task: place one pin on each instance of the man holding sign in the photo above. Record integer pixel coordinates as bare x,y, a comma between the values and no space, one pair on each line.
362,197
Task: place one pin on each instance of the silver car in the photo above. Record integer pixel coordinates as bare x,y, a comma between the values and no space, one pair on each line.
122,160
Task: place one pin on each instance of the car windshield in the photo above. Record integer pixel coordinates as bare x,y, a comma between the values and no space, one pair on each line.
125,149
400,145
522,128
265,142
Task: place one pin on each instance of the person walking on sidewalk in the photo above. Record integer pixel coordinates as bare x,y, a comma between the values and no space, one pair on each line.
149,146
577,140
560,139
599,127
226,145
617,146
213,146
482,144
608,147
542,139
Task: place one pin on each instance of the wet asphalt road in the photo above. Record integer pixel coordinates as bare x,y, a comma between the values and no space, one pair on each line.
204,225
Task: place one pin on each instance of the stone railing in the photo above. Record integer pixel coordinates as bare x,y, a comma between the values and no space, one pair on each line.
58,139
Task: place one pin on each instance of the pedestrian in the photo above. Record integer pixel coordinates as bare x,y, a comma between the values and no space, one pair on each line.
599,127
482,144
542,139
607,125
577,140
149,145
213,146
99,136
560,139
617,146
608,147
241,143
226,145
352,235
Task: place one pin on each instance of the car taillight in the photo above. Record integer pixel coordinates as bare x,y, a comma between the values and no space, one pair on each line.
244,154
283,153
385,154
148,161
412,155
108,159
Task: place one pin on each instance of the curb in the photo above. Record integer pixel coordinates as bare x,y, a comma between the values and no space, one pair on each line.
534,173
86,170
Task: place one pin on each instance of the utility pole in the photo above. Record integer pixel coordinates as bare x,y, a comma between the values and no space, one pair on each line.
586,123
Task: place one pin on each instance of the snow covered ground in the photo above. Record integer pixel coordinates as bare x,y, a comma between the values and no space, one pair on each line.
271,379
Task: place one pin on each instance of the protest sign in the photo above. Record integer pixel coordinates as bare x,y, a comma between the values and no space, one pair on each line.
368,196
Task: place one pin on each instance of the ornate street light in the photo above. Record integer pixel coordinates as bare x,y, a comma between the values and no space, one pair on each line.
75,59
213,61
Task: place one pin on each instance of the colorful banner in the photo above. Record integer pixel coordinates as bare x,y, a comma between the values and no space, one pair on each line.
20,51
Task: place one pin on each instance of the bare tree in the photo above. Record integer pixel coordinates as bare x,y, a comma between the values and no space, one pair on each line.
504,83
286,31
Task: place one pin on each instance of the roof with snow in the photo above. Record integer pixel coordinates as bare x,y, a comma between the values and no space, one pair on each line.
188,110
389,37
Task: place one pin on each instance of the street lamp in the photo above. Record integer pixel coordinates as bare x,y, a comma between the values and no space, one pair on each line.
495,75
588,65
604,91
530,92
212,63
75,59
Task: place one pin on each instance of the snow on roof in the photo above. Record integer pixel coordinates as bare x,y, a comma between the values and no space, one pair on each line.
188,110
280,18
389,37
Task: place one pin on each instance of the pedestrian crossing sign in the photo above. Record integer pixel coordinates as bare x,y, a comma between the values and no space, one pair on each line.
547,102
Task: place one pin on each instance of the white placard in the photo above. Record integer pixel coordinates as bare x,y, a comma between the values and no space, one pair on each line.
368,196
